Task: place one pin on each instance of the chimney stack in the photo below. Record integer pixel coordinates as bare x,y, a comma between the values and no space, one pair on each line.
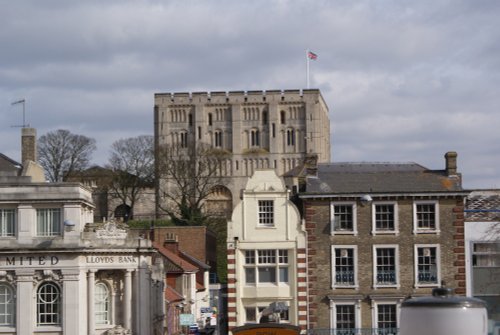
171,242
451,163
28,145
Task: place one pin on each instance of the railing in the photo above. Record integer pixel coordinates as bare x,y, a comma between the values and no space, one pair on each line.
386,277
354,331
344,277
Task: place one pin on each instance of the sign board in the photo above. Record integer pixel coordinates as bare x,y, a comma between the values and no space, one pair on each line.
186,319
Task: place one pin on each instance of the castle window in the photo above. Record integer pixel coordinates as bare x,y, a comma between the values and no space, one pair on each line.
290,137
218,139
282,117
254,138
210,119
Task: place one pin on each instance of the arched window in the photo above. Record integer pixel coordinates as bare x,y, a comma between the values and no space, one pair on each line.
7,305
184,139
218,139
255,138
48,304
290,137
101,308
282,117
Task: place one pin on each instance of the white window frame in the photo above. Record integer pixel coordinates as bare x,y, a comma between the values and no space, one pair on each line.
56,302
396,260
102,306
8,229
354,230
354,248
50,230
345,302
266,214
281,260
8,303
375,231
375,307
438,265
416,229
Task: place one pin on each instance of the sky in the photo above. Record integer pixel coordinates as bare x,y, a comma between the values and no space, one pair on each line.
405,81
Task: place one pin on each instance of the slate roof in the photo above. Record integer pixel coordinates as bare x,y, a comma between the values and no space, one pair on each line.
374,177
8,164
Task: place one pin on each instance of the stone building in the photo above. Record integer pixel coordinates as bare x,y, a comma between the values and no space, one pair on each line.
259,129
266,255
61,273
377,234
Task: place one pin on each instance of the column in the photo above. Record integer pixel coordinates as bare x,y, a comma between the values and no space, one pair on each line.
128,299
26,316
73,307
90,301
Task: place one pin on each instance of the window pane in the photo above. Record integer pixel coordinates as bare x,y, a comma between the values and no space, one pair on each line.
345,317
284,274
386,316
427,269
267,275
101,300
48,221
48,304
384,217
7,305
266,213
250,275
7,222
426,216
343,218
344,266
386,266
251,315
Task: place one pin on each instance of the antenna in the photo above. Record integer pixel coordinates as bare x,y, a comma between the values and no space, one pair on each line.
22,101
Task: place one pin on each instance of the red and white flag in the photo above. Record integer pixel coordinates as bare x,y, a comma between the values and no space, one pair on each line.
312,55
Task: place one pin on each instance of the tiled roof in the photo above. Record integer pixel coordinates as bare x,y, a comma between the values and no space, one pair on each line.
349,178
172,295
178,262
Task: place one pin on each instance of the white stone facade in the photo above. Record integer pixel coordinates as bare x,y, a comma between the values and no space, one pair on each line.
62,274
266,254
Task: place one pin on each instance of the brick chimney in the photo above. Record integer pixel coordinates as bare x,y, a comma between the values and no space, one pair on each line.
451,163
171,242
28,145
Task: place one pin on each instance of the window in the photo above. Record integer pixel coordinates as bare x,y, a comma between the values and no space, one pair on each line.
267,266
254,138
218,139
343,218
48,304
486,254
386,266
282,117
7,222
384,218
190,119
101,300
387,318
48,221
426,217
209,119
290,137
7,305
264,117
344,265
253,314
427,267
184,139
266,213
345,317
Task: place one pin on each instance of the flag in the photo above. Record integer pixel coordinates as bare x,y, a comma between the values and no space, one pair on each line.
18,102
312,55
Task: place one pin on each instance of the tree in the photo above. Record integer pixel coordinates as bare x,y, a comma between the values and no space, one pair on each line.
60,153
132,163
187,177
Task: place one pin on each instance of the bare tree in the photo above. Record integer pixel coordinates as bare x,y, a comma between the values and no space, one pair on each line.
132,163
60,153
187,177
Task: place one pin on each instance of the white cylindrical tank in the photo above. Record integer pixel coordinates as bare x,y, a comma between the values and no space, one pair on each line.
443,313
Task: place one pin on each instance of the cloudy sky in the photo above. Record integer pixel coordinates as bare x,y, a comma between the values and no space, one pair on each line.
404,80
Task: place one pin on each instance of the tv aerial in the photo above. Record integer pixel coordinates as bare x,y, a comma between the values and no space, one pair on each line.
22,101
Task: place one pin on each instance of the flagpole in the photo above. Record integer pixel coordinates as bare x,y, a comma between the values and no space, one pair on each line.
307,69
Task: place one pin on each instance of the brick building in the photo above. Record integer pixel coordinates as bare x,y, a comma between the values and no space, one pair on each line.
377,234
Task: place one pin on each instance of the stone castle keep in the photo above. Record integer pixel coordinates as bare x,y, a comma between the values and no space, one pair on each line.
260,129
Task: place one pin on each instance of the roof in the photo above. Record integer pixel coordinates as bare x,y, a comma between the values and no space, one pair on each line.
8,164
172,295
380,177
177,261
483,206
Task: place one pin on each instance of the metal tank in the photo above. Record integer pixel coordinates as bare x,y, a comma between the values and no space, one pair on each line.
443,313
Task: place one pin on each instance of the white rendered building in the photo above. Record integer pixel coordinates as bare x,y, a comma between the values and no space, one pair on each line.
62,274
266,254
